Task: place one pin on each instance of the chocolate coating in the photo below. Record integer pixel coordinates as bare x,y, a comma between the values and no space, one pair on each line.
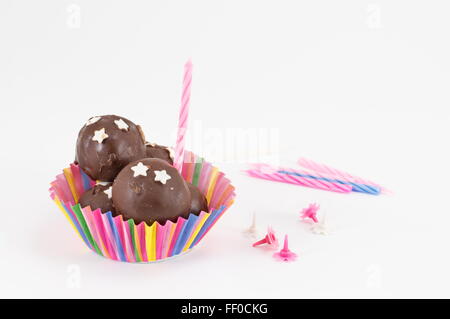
97,198
143,198
198,200
104,157
159,151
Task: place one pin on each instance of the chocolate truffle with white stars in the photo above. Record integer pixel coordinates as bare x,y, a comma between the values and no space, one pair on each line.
158,151
106,144
99,196
150,190
198,200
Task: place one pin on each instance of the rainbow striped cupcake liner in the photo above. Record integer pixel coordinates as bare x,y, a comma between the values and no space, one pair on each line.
117,239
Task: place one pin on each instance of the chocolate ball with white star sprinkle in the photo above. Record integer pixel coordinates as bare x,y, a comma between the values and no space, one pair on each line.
150,190
99,196
106,144
159,151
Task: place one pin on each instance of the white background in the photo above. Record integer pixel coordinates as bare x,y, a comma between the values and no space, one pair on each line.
359,85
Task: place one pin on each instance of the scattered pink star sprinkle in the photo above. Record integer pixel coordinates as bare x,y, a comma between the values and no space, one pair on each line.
310,212
285,254
270,239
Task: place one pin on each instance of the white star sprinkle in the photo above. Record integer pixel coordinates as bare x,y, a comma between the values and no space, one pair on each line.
139,169
121,124
162,176
100,135
92,120
108,192
321,228
171,153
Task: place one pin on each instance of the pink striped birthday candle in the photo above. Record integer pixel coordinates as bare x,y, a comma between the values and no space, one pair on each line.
323,183
183,117
333,172
297,180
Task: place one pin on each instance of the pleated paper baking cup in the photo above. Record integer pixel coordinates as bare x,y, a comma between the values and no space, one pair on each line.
123,240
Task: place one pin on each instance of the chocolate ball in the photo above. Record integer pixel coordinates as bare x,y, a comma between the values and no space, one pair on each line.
198,200
98,196
106,144
158,151
149,190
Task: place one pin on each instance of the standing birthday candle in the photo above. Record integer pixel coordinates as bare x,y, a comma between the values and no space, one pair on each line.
183,118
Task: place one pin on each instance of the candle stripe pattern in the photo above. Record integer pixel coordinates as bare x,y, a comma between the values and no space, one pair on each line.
298,180
310,178
332,172
183,117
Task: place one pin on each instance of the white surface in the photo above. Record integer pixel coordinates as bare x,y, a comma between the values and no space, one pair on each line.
359,85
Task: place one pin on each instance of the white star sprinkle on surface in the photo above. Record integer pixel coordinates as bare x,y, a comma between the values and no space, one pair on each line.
321,228
108,192
99,136
139,169
92,120
121,124
252,231
162,176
